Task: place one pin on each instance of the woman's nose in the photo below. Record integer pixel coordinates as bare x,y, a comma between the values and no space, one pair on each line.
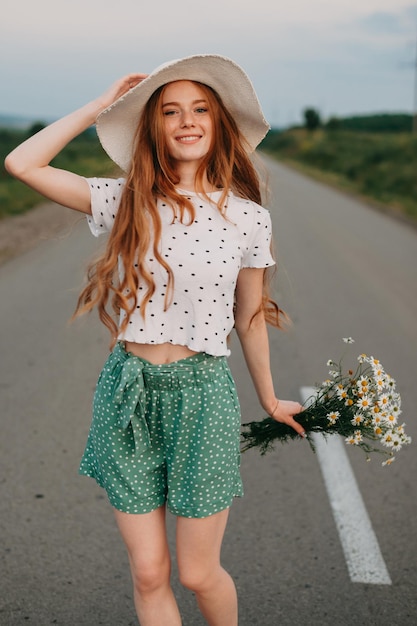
187,119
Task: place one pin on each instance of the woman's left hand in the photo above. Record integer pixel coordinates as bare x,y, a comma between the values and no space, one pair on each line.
284,412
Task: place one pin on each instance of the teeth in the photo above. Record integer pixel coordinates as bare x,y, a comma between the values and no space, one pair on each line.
190,138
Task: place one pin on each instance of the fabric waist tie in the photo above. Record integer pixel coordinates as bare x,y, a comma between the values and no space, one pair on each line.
130,396
137,375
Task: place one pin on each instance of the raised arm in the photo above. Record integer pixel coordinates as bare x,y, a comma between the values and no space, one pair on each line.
29,162
253,336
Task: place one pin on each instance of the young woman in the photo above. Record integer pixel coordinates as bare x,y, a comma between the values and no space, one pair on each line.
186,260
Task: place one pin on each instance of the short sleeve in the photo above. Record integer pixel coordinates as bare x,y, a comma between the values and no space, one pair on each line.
105,198
258,252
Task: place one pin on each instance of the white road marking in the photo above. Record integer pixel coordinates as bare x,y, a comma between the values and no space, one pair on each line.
363,556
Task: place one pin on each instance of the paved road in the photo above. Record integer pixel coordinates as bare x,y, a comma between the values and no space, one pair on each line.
344,269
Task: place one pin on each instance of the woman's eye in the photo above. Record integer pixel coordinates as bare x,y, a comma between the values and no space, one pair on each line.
201,110
170,112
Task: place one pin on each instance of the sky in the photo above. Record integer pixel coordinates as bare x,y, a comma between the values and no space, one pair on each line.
342,57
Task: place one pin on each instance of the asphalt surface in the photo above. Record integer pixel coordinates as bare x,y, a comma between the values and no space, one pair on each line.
344,270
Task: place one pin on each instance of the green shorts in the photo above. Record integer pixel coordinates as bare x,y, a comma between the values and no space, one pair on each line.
165,433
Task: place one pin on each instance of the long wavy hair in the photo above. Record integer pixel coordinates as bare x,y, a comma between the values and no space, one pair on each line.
137,224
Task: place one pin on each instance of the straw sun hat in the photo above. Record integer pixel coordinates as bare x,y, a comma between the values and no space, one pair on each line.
116,125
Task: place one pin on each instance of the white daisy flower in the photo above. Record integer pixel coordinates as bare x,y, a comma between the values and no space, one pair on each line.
333,373
379,383
351,440
395,409
388,439
364,402
358,436
348,340
341,392
384,401
390,419
390,460
397,442
389,381
357,419
378,430
333,416
363,384
395,398
379,379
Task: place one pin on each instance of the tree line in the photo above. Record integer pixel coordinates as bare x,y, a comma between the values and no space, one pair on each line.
374,123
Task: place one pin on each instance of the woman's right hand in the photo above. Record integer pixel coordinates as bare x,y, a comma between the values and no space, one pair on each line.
118,89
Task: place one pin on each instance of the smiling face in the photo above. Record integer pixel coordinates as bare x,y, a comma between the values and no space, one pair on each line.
188,123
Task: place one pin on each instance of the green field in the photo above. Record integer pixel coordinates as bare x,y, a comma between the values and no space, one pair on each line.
378,166
83,156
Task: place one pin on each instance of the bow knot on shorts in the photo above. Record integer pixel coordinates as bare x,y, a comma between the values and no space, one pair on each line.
129,397
165,434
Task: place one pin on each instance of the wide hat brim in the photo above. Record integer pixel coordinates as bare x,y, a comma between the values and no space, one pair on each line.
117,124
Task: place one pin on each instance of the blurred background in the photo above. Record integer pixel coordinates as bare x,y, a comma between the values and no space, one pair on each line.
337,82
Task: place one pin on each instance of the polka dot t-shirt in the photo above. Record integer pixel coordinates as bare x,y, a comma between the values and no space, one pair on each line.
205,257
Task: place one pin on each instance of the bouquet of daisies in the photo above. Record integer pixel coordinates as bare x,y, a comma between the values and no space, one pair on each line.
362,406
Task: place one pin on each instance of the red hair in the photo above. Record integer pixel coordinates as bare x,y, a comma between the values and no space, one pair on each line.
137,224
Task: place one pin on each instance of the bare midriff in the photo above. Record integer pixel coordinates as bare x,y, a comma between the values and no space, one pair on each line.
159,354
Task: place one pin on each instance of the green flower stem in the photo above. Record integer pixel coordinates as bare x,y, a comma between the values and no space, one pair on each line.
264,434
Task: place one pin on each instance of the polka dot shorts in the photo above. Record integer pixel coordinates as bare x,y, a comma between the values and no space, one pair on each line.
165,433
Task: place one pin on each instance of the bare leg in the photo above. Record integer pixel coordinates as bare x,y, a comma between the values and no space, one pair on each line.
198,552
150,564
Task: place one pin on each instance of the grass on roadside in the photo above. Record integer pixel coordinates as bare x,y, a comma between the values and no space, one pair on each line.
84,156
378,167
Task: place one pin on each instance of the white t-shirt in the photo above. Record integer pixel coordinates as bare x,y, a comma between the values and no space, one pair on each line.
205,257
